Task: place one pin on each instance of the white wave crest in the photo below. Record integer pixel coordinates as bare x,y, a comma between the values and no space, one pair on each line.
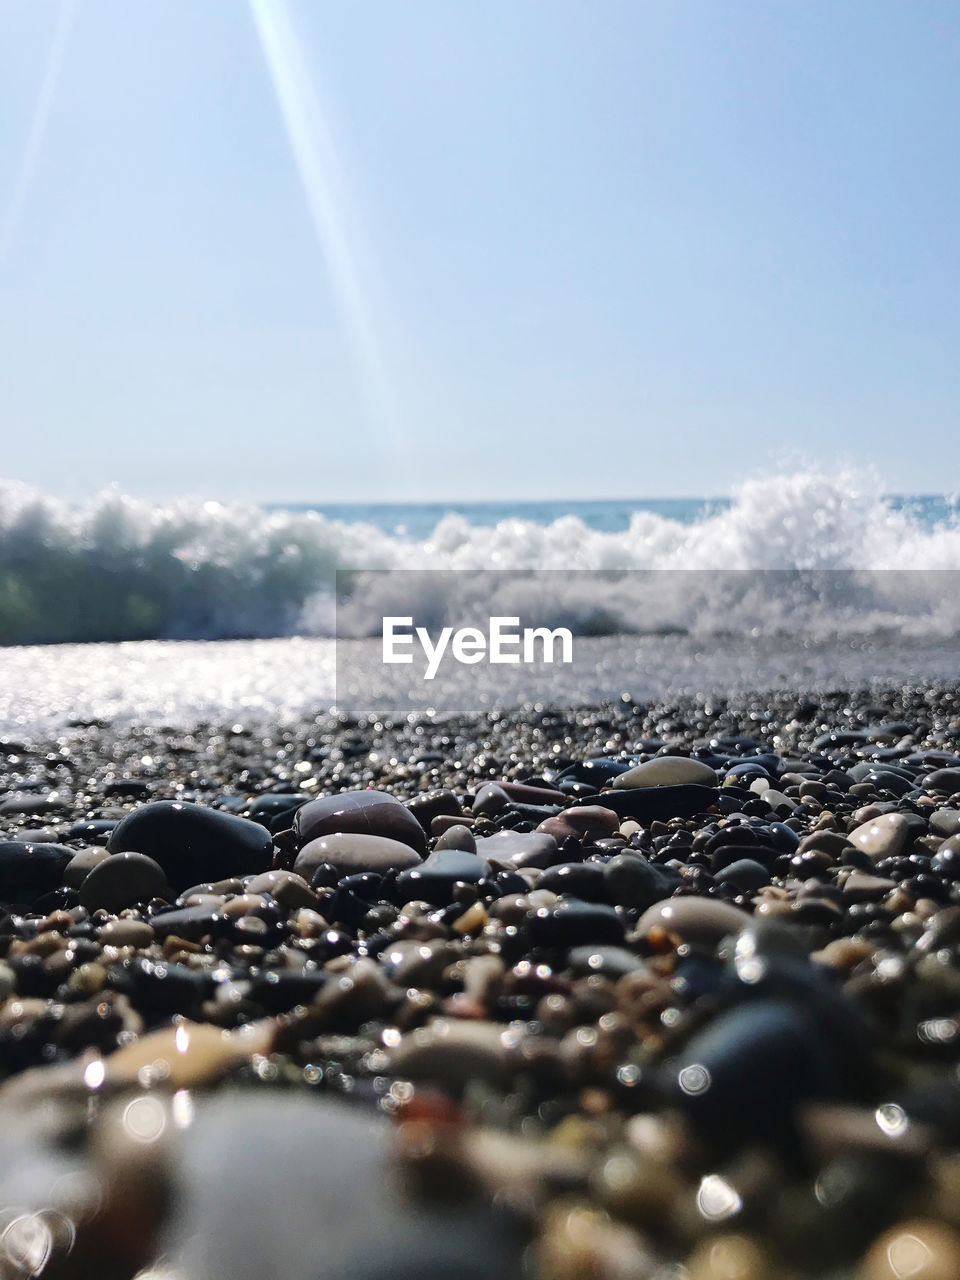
120,568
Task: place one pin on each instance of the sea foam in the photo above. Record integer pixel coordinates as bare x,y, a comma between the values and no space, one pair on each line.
118,568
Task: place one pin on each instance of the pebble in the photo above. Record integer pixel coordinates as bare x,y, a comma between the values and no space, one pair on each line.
945,822
882,837
456,1053
436,878
705,920
368,813
916,1249
287,888
123,880
522,849
490,800
27,870
741,1078
457,837
81,864
590,823
307,1227
352,852
632,881
573,922
191,842
434,804
666,771
945,780
658,804
126,933
746,875
183,1057
729,1257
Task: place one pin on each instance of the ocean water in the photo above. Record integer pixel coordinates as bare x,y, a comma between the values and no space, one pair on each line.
118,568
126,610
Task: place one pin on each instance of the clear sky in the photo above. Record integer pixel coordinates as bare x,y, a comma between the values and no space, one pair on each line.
373,250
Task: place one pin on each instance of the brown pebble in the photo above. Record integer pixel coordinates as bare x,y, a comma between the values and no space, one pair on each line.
882,837
80,866
728,1257
445,821
286,887
472,920
457,836
693,919
126,933
587,823
916,1249
186,1055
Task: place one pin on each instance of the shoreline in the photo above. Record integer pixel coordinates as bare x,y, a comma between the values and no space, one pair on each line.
262,682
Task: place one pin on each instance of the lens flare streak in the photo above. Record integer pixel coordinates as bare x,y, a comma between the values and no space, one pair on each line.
38,127
331,208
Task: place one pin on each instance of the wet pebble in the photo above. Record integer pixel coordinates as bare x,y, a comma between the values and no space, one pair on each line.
123,880
191,842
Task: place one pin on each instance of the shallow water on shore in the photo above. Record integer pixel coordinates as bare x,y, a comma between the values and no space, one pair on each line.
186,682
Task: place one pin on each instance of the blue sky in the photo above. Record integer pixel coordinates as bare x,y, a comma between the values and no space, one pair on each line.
630,248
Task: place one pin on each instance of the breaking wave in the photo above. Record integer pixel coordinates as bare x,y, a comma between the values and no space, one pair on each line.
119,568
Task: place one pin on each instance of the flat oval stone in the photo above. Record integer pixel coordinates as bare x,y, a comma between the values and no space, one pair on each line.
745,875
887,779
457,1052
947,780
369,813
191,1054
30,869
882,837
587,823
123,880
608,961
435,879
667,771
279,990
933,759
522,848
726,854
126,933
189,923
351,851
194,843
598,770
859,886
19,804
161,988
573,923
524,793
705,920
658,804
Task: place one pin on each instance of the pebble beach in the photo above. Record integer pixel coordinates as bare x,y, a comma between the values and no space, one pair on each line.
607,992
